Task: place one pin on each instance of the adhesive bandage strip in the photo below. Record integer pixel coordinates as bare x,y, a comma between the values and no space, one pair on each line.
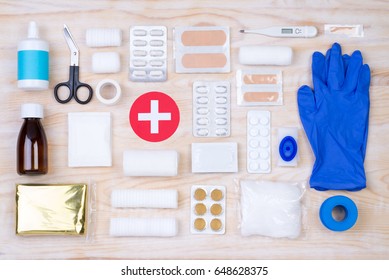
135,198
208,209
258,142
103,37
143,227
202,49
148,53
108,83
287,146
211,109
150,163
265,55
105,62
259,87
344,30
214,157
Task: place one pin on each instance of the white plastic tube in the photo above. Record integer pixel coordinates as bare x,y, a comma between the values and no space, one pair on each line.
156,227
265,55
150,163
133,198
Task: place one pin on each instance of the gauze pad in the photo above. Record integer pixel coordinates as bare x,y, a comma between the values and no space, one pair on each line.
270,208
89,139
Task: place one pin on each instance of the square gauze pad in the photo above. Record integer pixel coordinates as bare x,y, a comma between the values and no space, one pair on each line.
89,139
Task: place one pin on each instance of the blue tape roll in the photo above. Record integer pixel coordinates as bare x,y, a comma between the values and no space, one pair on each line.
351,213
288,148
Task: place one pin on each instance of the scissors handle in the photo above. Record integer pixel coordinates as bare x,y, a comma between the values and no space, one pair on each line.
73,85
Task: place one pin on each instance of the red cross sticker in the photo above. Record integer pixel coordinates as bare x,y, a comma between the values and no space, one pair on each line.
154,116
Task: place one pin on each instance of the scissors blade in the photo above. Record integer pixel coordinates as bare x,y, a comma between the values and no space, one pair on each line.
74,51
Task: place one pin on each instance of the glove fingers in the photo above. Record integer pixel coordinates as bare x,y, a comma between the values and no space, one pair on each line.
352,72
364,81
306,100
346,60
318,70
335,77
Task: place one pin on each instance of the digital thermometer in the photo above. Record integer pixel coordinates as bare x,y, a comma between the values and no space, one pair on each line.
287,31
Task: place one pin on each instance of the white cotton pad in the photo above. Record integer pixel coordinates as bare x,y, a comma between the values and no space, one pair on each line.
105,62
265,55
150,163
89,139
133,198
270,209
147,227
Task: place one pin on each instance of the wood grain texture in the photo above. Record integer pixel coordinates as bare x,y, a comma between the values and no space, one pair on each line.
369,239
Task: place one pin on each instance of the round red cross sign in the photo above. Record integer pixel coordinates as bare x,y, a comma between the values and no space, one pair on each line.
154,116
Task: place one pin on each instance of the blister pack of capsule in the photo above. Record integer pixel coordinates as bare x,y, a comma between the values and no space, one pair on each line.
148,53
208,209
258,142
211,109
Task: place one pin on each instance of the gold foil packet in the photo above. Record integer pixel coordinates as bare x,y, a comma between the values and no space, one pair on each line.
45,209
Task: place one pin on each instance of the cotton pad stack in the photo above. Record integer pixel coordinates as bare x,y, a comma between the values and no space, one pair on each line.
270,208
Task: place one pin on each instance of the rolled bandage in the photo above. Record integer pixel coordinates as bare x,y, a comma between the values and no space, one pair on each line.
103,37
105,62
265,55
156,227
134,198
106,83
150,163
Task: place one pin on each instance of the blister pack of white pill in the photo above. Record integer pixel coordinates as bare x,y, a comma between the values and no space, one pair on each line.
258,142
148,53
208,209
211,109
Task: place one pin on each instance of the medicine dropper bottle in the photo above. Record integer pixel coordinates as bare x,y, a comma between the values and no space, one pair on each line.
32,142
33,61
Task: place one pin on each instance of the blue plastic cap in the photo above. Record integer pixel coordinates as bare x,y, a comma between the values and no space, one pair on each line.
288,148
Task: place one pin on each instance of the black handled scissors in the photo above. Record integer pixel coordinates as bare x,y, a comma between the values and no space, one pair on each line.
74,83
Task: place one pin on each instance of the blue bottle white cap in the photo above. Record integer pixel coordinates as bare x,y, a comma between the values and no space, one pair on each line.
32,110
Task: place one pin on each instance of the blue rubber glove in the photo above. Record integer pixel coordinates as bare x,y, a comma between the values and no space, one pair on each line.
335,117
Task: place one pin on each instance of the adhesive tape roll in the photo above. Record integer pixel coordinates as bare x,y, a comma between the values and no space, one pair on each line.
105,83
265,55
349,207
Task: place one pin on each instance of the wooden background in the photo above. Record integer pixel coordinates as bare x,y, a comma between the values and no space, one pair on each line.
369,239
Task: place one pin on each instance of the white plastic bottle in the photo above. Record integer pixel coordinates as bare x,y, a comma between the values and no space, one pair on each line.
33,61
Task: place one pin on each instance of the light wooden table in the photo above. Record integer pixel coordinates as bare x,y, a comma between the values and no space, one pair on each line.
368,239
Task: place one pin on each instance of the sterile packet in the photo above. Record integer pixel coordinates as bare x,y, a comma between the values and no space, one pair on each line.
271,208
56,209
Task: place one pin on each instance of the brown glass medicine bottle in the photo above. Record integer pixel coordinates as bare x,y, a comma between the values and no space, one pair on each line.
32,142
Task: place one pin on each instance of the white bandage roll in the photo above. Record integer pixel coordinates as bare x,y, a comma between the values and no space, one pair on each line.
105,62
156,227
103,37
150,163
134,198
265,55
